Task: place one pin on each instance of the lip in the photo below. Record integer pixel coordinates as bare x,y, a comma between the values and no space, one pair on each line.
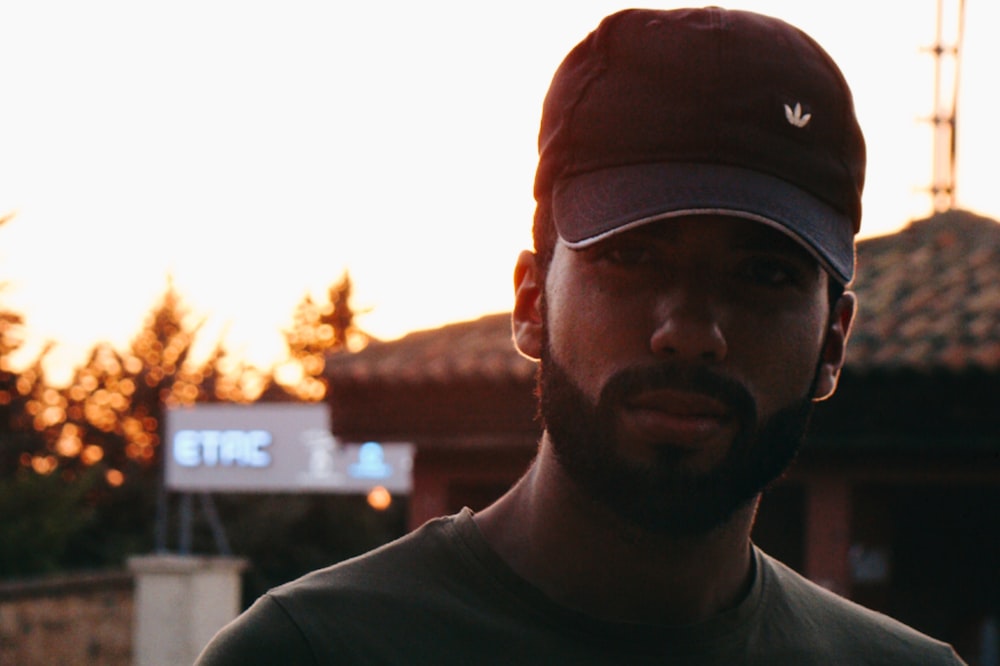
678,417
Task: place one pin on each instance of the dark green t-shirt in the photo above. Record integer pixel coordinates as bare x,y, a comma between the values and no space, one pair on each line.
441,595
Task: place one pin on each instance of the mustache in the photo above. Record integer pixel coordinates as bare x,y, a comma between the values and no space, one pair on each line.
635,380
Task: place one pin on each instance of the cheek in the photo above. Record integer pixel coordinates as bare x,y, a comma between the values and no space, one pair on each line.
572,333
590,333
780,362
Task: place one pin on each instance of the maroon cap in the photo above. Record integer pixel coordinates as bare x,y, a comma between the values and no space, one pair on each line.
660,114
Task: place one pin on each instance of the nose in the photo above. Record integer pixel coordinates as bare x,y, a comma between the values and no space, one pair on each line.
688,328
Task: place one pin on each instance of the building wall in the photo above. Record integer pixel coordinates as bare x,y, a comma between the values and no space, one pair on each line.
70,620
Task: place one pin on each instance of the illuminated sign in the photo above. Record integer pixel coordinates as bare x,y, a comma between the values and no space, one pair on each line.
192,448
275,447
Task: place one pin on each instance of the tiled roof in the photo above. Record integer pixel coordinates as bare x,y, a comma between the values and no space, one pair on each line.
468,351
929,297
929,301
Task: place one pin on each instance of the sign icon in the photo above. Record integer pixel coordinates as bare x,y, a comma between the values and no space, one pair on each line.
371,463
322,451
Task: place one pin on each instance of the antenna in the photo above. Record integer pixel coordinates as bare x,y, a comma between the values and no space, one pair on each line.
945,116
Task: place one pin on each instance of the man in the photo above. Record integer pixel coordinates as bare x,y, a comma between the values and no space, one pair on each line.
699,188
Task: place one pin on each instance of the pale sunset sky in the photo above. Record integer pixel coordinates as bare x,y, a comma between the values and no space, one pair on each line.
254,151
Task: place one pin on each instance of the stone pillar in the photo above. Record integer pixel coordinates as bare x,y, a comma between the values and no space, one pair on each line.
180,602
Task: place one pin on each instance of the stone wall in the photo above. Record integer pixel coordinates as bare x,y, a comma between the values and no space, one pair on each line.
69,619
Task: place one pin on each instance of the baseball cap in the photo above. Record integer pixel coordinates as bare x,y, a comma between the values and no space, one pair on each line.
659,114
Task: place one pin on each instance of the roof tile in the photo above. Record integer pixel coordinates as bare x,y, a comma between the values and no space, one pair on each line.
929,296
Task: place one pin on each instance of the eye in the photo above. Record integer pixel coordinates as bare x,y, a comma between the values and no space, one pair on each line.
770,271
628,254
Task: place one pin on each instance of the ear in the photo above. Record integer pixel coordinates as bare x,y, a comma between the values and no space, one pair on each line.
527,318
835,345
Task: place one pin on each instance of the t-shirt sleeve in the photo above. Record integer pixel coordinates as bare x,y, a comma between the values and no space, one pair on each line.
265,634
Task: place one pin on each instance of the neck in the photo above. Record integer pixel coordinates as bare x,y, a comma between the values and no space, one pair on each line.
583,556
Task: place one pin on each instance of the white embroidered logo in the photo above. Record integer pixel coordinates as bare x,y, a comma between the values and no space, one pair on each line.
795,117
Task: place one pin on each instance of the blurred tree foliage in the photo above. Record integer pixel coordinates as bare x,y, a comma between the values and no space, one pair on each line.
41,514
39,511
318,330
80,464
17,439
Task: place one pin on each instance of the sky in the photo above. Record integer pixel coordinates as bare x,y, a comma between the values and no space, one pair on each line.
252,152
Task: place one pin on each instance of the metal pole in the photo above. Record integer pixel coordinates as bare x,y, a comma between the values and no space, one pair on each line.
162,517
186,511
218,531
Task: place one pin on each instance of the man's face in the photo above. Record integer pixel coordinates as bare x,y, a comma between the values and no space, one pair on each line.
679,365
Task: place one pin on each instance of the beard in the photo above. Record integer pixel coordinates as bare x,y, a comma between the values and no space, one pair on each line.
661,496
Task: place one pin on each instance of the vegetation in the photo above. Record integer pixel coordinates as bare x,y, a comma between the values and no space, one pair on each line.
80,464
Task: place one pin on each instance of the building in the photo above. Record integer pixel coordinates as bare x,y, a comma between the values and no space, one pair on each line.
894,501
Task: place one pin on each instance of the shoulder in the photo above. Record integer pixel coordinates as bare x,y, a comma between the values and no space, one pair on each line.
263,634
328,611
430,552
837,626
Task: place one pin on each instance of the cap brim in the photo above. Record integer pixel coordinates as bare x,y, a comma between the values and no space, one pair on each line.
591,206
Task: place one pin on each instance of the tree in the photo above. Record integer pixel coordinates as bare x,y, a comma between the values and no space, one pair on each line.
318,329
101,434
14,441
81,464
111,411
40,516
39,511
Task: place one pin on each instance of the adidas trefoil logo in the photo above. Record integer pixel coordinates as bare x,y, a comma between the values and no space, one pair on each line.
795,117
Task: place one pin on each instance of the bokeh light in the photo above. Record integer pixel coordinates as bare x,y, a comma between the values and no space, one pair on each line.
379,498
